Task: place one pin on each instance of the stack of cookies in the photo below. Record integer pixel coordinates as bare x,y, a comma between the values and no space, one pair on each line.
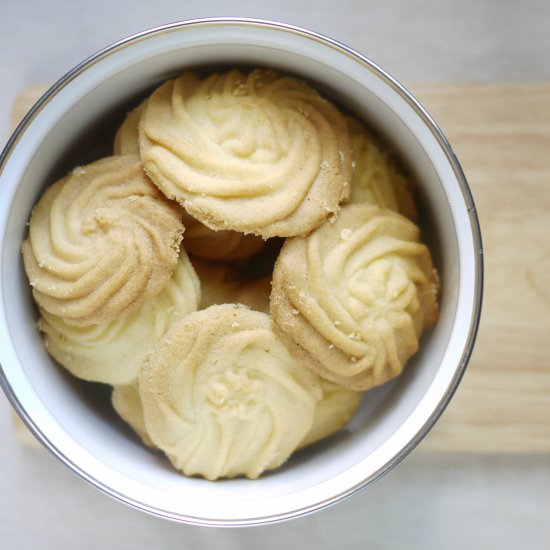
241,270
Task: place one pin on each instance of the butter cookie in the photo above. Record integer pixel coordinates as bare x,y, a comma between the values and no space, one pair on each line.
101,242
201,241
332,412
376,176
352,299
223,397
257,153
127,403
113,352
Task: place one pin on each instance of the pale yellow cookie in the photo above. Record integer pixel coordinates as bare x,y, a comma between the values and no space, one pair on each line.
376,177
223,397
127,403
352,299
102,241
113,352
257,153
203,242
126,139
332,412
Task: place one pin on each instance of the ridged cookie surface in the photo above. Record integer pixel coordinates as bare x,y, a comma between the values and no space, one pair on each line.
101,242
258,153
223,397
201,241
113,352
352,298
376,176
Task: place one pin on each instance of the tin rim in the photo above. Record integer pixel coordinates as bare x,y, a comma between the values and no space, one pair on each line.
473,224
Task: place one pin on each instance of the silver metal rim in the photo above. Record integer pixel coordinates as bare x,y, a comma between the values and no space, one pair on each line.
476,237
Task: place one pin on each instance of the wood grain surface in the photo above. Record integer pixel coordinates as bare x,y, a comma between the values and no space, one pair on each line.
501,135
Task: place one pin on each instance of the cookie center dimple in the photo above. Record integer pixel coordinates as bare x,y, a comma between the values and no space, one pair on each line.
234,393
379,289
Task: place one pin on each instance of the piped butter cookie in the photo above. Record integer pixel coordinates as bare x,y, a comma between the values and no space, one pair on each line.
332,412
352,299
223,397
127,136
201,241
257,153
376,176
102,241
113,352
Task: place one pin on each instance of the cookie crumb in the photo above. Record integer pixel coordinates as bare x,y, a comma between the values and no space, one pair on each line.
79,171
345,234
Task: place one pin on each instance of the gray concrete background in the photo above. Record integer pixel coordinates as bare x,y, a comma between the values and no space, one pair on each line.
431,500
415,40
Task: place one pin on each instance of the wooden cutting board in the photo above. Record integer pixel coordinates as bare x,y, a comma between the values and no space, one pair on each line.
501,135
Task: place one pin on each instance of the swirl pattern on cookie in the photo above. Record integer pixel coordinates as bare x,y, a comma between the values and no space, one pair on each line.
257,153
223,397
101,242
376,177
113,352
352,298
201,241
